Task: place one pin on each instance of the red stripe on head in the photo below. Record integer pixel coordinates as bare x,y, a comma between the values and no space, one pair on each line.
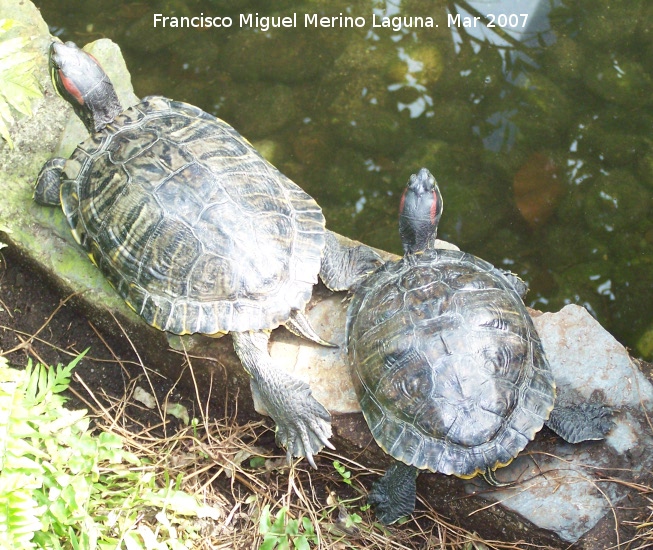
403,201
434,207
70,87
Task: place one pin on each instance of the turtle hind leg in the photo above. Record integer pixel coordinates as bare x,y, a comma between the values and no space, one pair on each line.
583,422
393,496
303,425
520,286
343,266
299,325
48,183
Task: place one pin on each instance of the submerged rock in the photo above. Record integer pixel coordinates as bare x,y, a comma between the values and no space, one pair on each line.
620,80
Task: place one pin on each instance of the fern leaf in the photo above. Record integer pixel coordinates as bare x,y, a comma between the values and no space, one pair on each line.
5,121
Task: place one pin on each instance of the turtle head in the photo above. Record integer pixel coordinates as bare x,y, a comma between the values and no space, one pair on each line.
79,79
419,212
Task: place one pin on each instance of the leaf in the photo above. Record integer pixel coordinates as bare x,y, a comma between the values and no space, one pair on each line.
269,542
144,397
342,470
178,411
264,520
18,83
279,524
5,118
301,543
309,529
292,527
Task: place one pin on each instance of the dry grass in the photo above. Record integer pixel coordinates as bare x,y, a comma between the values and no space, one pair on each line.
211,459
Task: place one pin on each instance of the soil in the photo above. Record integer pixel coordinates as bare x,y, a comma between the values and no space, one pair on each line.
37,322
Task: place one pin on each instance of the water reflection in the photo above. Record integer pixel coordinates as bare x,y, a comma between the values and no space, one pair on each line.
540,137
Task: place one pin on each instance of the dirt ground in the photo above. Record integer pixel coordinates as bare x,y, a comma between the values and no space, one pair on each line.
37,322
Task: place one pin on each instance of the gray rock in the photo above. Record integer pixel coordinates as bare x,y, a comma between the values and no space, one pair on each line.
557,488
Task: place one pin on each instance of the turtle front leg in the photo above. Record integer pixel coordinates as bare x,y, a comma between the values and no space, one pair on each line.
581,422
48,182
343,266
394,494
303,424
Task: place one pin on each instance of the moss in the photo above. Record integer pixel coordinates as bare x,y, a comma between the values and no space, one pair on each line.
259,110
564,59
568,243
616,202
287,55
610,23
645,345
619,79
452,121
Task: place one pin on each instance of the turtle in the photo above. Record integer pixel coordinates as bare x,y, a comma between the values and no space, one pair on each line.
447,365
197,231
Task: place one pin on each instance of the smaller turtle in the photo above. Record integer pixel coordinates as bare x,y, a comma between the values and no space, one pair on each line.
448,367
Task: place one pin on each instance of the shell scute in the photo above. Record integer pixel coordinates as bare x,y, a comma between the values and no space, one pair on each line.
190,224
449,370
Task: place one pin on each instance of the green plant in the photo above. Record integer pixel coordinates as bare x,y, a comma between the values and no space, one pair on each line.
347,519
18,85
61,486
342,470
283,533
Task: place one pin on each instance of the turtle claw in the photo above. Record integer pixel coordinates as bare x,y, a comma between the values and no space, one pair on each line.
307,430
581,422
303,424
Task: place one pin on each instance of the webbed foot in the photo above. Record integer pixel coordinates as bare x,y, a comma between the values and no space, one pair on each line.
582,422
48,182
393,496
303,424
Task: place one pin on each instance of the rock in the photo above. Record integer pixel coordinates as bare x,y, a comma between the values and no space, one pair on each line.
557,487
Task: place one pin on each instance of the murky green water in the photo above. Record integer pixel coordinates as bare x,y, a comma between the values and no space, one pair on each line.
540,135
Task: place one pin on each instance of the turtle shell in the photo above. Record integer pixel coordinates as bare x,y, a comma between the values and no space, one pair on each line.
448,367
194,229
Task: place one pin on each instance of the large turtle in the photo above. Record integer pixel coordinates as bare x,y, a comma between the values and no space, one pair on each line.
447,365
197,232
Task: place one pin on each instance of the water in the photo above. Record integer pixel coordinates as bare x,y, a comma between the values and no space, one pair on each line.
538,129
